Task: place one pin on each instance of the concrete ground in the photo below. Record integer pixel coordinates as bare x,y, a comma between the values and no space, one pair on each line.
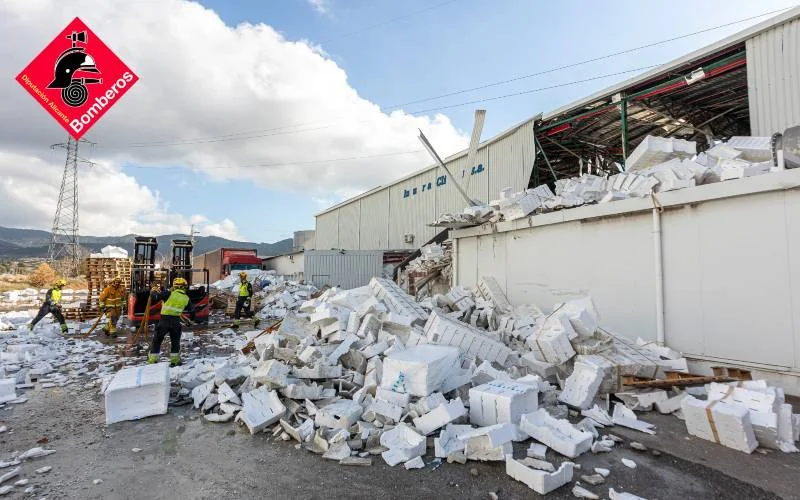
184,456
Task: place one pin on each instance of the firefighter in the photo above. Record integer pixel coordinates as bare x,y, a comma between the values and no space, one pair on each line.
176,301
111,300
52,305
244,301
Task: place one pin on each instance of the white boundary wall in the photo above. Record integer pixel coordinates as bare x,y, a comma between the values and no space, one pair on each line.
731,261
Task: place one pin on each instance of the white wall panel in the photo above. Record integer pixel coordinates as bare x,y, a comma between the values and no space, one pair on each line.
327,231
349,221
731,261
773,79
374,227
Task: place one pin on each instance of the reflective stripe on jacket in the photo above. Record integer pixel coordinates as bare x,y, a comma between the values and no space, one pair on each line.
175,304
112,296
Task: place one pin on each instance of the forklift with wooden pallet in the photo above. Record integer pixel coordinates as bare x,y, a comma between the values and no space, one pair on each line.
145,275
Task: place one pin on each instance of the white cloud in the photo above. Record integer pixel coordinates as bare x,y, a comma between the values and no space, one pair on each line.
200,78
321,6
111,202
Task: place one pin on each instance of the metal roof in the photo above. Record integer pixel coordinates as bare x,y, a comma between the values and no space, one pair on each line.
678,112
450,158
715,47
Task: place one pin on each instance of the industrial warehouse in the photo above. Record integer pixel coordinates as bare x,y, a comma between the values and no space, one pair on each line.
597,302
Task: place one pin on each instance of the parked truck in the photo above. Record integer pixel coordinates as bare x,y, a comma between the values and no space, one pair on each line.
224,261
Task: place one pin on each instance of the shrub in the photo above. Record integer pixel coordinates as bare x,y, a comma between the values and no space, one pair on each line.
43,275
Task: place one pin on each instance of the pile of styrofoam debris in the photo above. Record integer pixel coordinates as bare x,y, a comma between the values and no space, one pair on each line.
110,252
359,373
282,296
657,164
433,269
257,277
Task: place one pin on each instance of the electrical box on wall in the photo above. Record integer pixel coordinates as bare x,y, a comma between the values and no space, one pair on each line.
408,238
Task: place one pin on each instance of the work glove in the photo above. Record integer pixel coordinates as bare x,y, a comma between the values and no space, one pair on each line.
247,304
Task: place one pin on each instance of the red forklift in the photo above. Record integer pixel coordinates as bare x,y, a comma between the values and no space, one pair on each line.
145,275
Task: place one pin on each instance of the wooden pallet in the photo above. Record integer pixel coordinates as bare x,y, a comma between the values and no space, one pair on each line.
680,379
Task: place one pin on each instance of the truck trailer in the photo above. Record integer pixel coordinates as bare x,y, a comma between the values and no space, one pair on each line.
224,261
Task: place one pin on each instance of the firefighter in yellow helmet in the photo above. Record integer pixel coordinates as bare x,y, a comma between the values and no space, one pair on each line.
244,301
111,301
176,301
52,305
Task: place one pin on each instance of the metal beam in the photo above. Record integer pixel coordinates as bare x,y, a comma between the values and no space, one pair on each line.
576,155
544,155
669,117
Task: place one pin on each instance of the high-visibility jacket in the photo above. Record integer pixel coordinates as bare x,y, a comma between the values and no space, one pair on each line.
245,289
175,304
53,297
112,296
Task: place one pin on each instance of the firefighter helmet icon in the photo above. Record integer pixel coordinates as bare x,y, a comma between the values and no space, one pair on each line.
70,63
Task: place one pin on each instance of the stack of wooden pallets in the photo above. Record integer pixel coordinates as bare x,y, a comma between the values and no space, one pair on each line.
99,272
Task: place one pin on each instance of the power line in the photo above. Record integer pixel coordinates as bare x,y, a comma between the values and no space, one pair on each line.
580,63
278,130
255,134
288,164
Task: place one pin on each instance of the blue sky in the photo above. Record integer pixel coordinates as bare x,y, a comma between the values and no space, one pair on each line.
463,44
392,52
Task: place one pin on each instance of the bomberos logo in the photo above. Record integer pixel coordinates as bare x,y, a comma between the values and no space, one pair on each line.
77,78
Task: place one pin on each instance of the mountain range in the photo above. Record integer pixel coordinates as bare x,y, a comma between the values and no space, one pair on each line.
20,243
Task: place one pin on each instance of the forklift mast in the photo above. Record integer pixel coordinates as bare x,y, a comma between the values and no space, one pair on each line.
144,263
181,260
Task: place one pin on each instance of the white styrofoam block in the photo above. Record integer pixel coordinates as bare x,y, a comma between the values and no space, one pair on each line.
582,385
396,398
720,422
471,341
448,441
227,395
491,291
403,444
481,448
655,150
8,389
370,325
387,409
670,405
763,404
440,416
342,348
625,417
501,401
486,373
537,450
539,367
339,415
540,481
552,340
260,407
396,300
419,370
496,434
271,372
558,434
642,401
138,392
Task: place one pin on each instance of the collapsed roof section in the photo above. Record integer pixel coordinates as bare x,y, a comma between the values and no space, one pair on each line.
702,99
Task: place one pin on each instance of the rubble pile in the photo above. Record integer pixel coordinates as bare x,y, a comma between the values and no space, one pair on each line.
657,165
281,296
354,374
431,272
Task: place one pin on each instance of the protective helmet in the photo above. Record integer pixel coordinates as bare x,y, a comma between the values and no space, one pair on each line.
179,282
116,281
71,61
243,275
60,282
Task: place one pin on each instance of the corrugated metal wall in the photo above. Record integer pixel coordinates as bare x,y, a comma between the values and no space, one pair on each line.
345,269
382,219
773,79
374,227
349,220
327,233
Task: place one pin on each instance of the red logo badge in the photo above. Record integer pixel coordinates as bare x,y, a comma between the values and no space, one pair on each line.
77,78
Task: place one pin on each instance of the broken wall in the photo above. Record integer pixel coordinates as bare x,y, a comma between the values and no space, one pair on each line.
719,242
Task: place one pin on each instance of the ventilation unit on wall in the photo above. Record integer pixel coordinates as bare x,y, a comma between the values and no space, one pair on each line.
408,238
